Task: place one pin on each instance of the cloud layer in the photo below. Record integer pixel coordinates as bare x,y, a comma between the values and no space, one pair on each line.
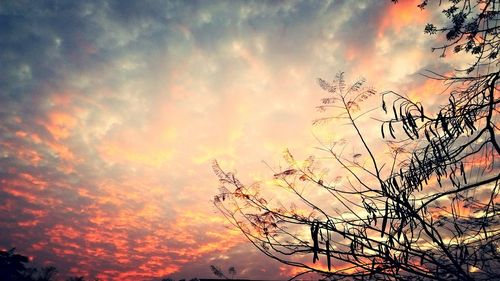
112,111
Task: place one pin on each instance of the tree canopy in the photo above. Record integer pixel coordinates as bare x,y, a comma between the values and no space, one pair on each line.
427,212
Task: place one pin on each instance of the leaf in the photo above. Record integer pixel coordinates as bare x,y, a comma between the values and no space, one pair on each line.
218,171
329,100
326,86
427,135
322,121
395,183
430,29
340,81
217,271
308,163
384,221
314,236
391,130
357,85
288,157
328,261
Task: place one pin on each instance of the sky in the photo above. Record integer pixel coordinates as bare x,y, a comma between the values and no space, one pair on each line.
112,112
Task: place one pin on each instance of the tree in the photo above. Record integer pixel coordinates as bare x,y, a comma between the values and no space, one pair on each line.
48,273
217,271
12,265
427,212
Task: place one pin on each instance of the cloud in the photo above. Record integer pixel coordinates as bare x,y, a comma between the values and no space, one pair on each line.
113,110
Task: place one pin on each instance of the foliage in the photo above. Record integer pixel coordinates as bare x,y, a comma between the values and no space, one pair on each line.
472,27
13,267
217,271
427,212
44,274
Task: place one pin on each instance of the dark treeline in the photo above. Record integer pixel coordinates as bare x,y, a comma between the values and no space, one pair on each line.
15,267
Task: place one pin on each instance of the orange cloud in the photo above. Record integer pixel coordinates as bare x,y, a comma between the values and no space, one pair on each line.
152,147
59,124
401,15
14,189
22,151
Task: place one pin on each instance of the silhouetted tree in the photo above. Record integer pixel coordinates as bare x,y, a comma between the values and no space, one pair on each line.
13,266
472,28
232,271
44,274
427,212
217,271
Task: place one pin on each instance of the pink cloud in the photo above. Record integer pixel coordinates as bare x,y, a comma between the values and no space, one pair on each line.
400,16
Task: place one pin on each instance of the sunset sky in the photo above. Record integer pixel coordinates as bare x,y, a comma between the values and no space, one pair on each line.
112,111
